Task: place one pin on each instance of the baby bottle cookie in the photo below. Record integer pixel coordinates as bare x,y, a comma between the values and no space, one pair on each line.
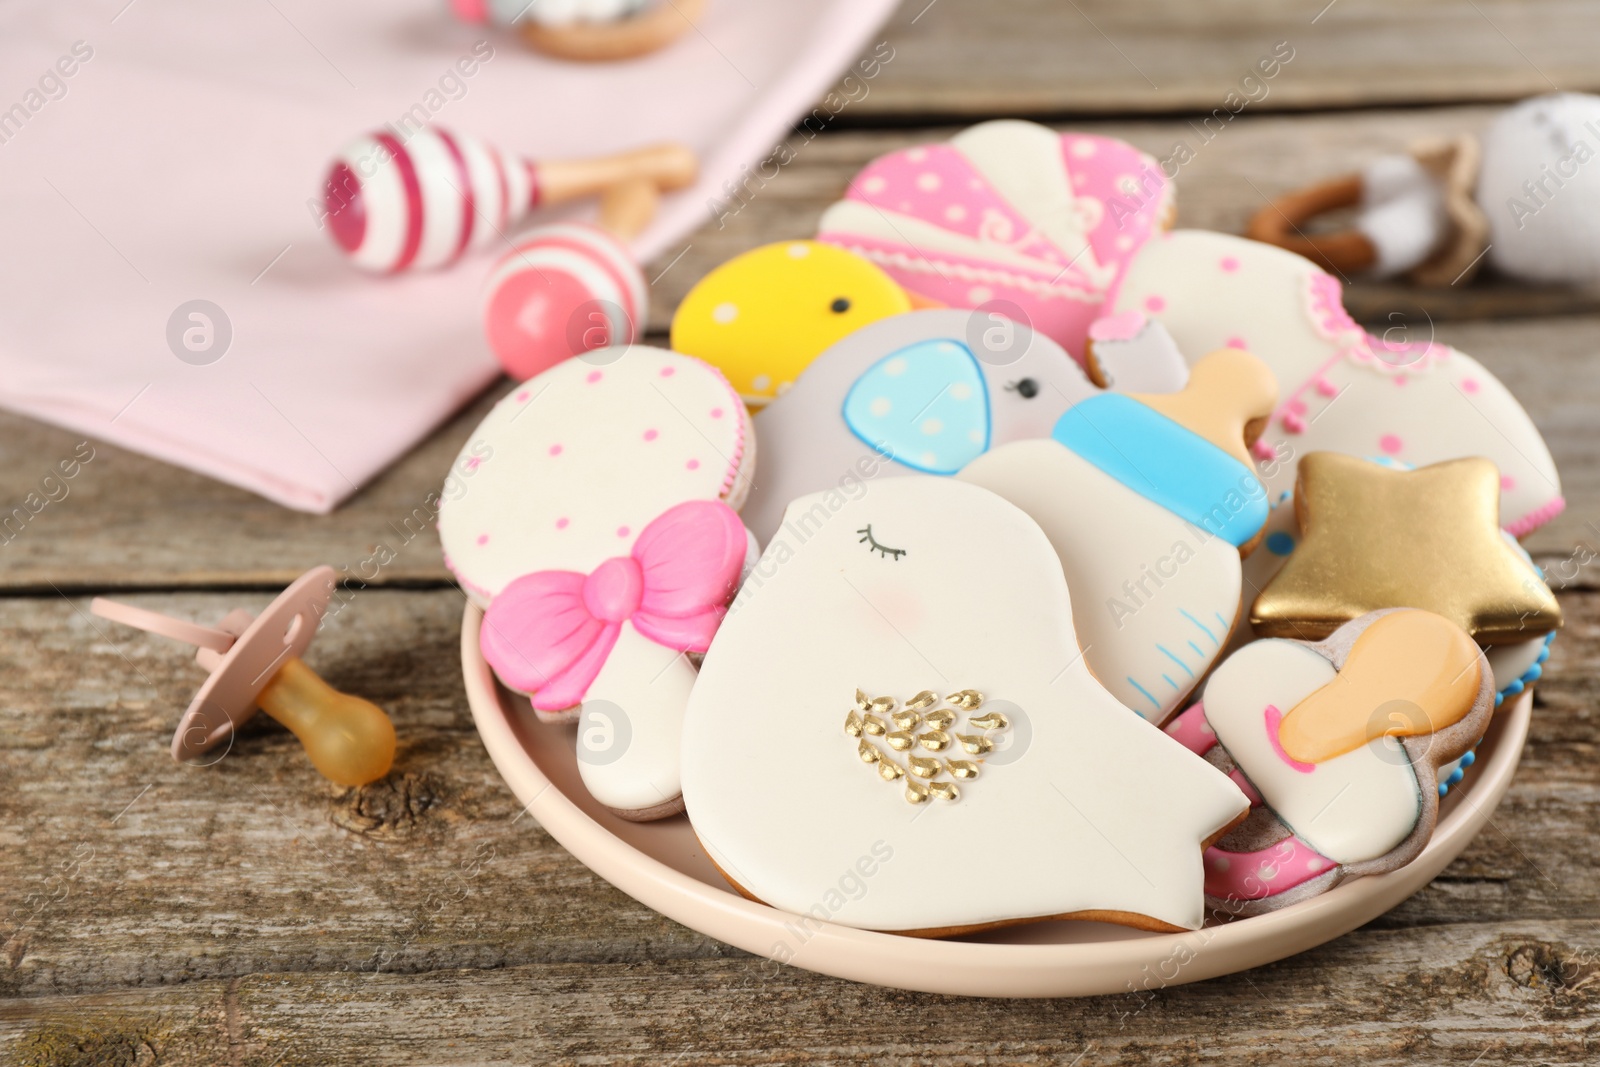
1148,501
908,678
591,515
1339,746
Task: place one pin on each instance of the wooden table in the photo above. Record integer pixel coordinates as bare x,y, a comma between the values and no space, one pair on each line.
250,913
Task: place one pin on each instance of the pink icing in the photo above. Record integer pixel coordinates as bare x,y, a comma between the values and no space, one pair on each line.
1274,720
1266,872
1536,518
1191,730
1246,787
1124,326
1390,444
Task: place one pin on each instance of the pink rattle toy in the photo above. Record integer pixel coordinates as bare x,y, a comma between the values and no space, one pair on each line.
401,200
255,663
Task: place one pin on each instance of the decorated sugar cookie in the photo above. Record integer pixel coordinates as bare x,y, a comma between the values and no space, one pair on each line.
591,515
763,316
1373,538
904,688
1148,500
1007,214
1340,389
1339,746
925,392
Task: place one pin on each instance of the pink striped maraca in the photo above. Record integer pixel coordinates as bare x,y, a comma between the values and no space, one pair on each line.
403,200
564,290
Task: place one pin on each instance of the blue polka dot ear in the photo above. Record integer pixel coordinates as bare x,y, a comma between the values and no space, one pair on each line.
925,406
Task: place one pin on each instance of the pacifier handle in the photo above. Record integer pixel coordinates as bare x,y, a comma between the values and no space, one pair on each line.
1282,221
190,633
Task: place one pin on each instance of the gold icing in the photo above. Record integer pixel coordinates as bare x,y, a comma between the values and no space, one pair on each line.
867,753
940,719
906,720
944,790
883,705
990,721
890,771
873,725
962,768
923,767
899,740
978,746
916,792
925,699
966,699
1375,538
934,740
852,724
862,703
1409,673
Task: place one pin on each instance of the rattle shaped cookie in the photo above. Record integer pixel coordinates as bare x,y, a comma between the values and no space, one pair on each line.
763,316
1339,746
925,392
1148,501
591,515
1374,537
1342,390
907,680
1007,213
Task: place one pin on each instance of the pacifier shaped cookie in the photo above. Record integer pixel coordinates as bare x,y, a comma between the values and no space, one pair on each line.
763,316
1009,215
1373,537
927,391
1339,745
1341,390
1148,501
591,515
904,687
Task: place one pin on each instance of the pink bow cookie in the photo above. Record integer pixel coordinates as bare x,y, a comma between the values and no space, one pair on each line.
549,633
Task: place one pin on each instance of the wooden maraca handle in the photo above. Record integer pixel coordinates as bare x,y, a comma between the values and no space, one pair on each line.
1280,222
666,166
627,207
624,38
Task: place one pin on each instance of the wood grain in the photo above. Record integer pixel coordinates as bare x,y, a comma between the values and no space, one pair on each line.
249,910
1044,57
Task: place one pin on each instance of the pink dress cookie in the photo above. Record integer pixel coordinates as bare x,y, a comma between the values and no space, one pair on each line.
591,515
1341,390
1008,212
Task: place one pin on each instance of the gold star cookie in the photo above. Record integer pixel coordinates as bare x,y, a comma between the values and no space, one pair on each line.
1375,538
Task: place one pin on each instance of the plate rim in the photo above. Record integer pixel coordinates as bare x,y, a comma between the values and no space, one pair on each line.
966,968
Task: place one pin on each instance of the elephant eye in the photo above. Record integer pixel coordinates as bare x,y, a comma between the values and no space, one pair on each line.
873,546
839,306
1027,388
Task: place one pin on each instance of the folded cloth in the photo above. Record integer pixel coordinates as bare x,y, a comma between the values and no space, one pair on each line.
156,155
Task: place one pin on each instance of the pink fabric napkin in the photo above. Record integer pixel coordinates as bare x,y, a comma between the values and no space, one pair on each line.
162,151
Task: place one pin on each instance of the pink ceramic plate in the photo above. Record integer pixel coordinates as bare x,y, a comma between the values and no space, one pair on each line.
662,865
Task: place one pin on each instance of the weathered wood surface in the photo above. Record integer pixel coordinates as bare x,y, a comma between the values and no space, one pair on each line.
250,913
1059,57
131,522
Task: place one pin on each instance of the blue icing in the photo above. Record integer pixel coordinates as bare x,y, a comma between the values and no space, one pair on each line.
1279,543
925,405
1166,463
1529,676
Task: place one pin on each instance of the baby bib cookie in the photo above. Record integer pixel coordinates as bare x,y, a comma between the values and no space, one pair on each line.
1339,746
1007,211
907,679
922,392
1147,501
1374,537
1342,390
591,515
763,316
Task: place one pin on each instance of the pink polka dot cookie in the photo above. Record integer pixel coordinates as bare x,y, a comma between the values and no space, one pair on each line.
1007,213
1401,396
591,515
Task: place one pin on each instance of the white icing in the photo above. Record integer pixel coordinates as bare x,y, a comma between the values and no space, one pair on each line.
1092,809
606,476
1434,407
1353,807
1148,362
632,764
1134,569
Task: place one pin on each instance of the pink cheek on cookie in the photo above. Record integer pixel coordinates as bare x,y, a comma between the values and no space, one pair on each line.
594,376
561,524
1469,385
1228,264
693,465
650,435
522,397
1507,482
1155,303
1390,444
667,372
483,539
555,450
1236,342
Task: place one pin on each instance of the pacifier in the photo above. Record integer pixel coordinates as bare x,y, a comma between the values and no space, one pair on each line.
255,663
